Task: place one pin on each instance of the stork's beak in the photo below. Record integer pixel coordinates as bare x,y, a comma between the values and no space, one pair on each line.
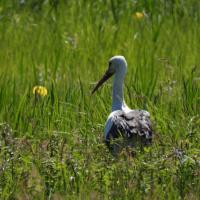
105,77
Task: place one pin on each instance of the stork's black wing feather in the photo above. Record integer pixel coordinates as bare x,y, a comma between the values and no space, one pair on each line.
134,123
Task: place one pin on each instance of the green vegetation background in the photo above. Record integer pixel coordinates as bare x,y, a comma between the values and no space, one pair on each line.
52,147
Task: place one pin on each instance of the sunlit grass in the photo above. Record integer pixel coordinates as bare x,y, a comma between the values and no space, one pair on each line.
52,147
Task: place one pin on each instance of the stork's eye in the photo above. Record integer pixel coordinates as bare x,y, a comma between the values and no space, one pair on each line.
111,67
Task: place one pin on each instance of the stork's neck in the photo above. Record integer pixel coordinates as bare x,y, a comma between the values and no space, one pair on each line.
117,95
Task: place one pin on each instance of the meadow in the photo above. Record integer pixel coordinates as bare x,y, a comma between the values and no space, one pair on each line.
52,147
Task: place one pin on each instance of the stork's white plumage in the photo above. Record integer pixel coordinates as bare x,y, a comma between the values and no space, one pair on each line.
133,125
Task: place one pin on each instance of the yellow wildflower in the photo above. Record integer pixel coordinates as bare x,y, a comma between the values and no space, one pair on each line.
138,15
39,91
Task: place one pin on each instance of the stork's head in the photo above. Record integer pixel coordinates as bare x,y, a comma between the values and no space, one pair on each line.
116,65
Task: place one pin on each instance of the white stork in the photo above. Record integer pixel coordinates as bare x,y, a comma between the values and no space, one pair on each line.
133,125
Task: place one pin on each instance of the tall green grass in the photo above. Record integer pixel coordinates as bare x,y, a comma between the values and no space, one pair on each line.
52,147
